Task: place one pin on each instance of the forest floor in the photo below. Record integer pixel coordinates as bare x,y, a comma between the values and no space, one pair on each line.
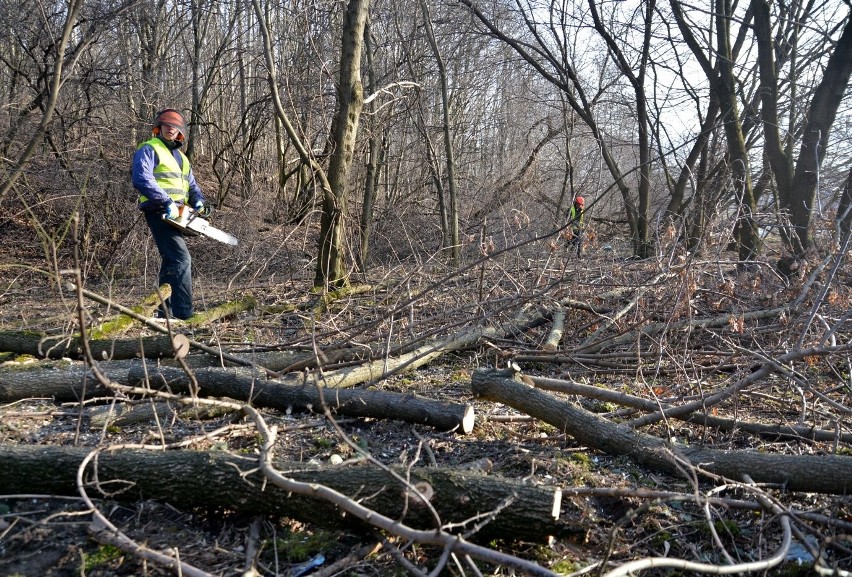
50,536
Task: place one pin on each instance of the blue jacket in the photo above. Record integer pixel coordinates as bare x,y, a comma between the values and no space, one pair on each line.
142,175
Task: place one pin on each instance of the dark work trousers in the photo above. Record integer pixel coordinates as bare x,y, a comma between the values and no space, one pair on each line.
176,268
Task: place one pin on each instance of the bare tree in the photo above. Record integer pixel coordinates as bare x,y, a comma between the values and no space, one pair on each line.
452,190
48,96
723,84
797,180
331,269
552,58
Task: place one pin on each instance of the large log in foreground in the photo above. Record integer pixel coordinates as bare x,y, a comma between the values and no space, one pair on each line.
293,393
220,480
830,474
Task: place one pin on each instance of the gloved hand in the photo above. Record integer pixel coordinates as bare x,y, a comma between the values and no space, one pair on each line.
203,211
170,211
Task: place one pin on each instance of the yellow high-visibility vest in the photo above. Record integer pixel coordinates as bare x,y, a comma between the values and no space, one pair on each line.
169,175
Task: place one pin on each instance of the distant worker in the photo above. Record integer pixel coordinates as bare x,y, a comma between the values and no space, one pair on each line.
163,176
574,232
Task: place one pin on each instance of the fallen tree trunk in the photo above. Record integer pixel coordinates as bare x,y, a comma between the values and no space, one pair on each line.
829,474
222,481
56,347
300,393
147,411
66,381
59,380
700,417
222,311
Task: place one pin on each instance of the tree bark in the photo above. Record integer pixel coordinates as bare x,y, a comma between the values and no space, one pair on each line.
797,186
844,210
371,178
452,188
120,324
551,343
224,310
331,270
823,110
219,480
828,474
60,380
57,347
723,86
635,73
307,393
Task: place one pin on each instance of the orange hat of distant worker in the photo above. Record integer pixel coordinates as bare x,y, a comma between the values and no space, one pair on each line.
579,201
171,117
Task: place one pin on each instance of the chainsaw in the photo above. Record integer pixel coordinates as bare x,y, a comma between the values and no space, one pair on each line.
190,222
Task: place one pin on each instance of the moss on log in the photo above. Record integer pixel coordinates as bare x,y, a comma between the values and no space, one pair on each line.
120,324
222,311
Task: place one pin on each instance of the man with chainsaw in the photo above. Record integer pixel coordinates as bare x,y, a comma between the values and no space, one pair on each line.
162,175
574,232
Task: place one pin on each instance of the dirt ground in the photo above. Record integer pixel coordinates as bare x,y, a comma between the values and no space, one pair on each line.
42,535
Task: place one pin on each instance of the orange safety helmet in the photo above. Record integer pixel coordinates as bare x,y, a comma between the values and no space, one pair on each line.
171,117
579,201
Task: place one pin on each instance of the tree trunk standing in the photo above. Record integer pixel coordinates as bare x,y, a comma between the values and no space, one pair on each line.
452,189
424,127
208,50
823,110
797,187
643,244
372,176
331,269
844,210
567,188
198,37
745,231
310,171
129,80
723,87
678,205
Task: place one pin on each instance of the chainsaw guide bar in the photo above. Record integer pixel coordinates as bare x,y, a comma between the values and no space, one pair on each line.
189,222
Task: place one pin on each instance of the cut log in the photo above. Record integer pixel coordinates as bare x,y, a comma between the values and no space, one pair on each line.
556,330
163,329
222,481
828,474
56,347
59,380
327,298
122,415
125,415
296,392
